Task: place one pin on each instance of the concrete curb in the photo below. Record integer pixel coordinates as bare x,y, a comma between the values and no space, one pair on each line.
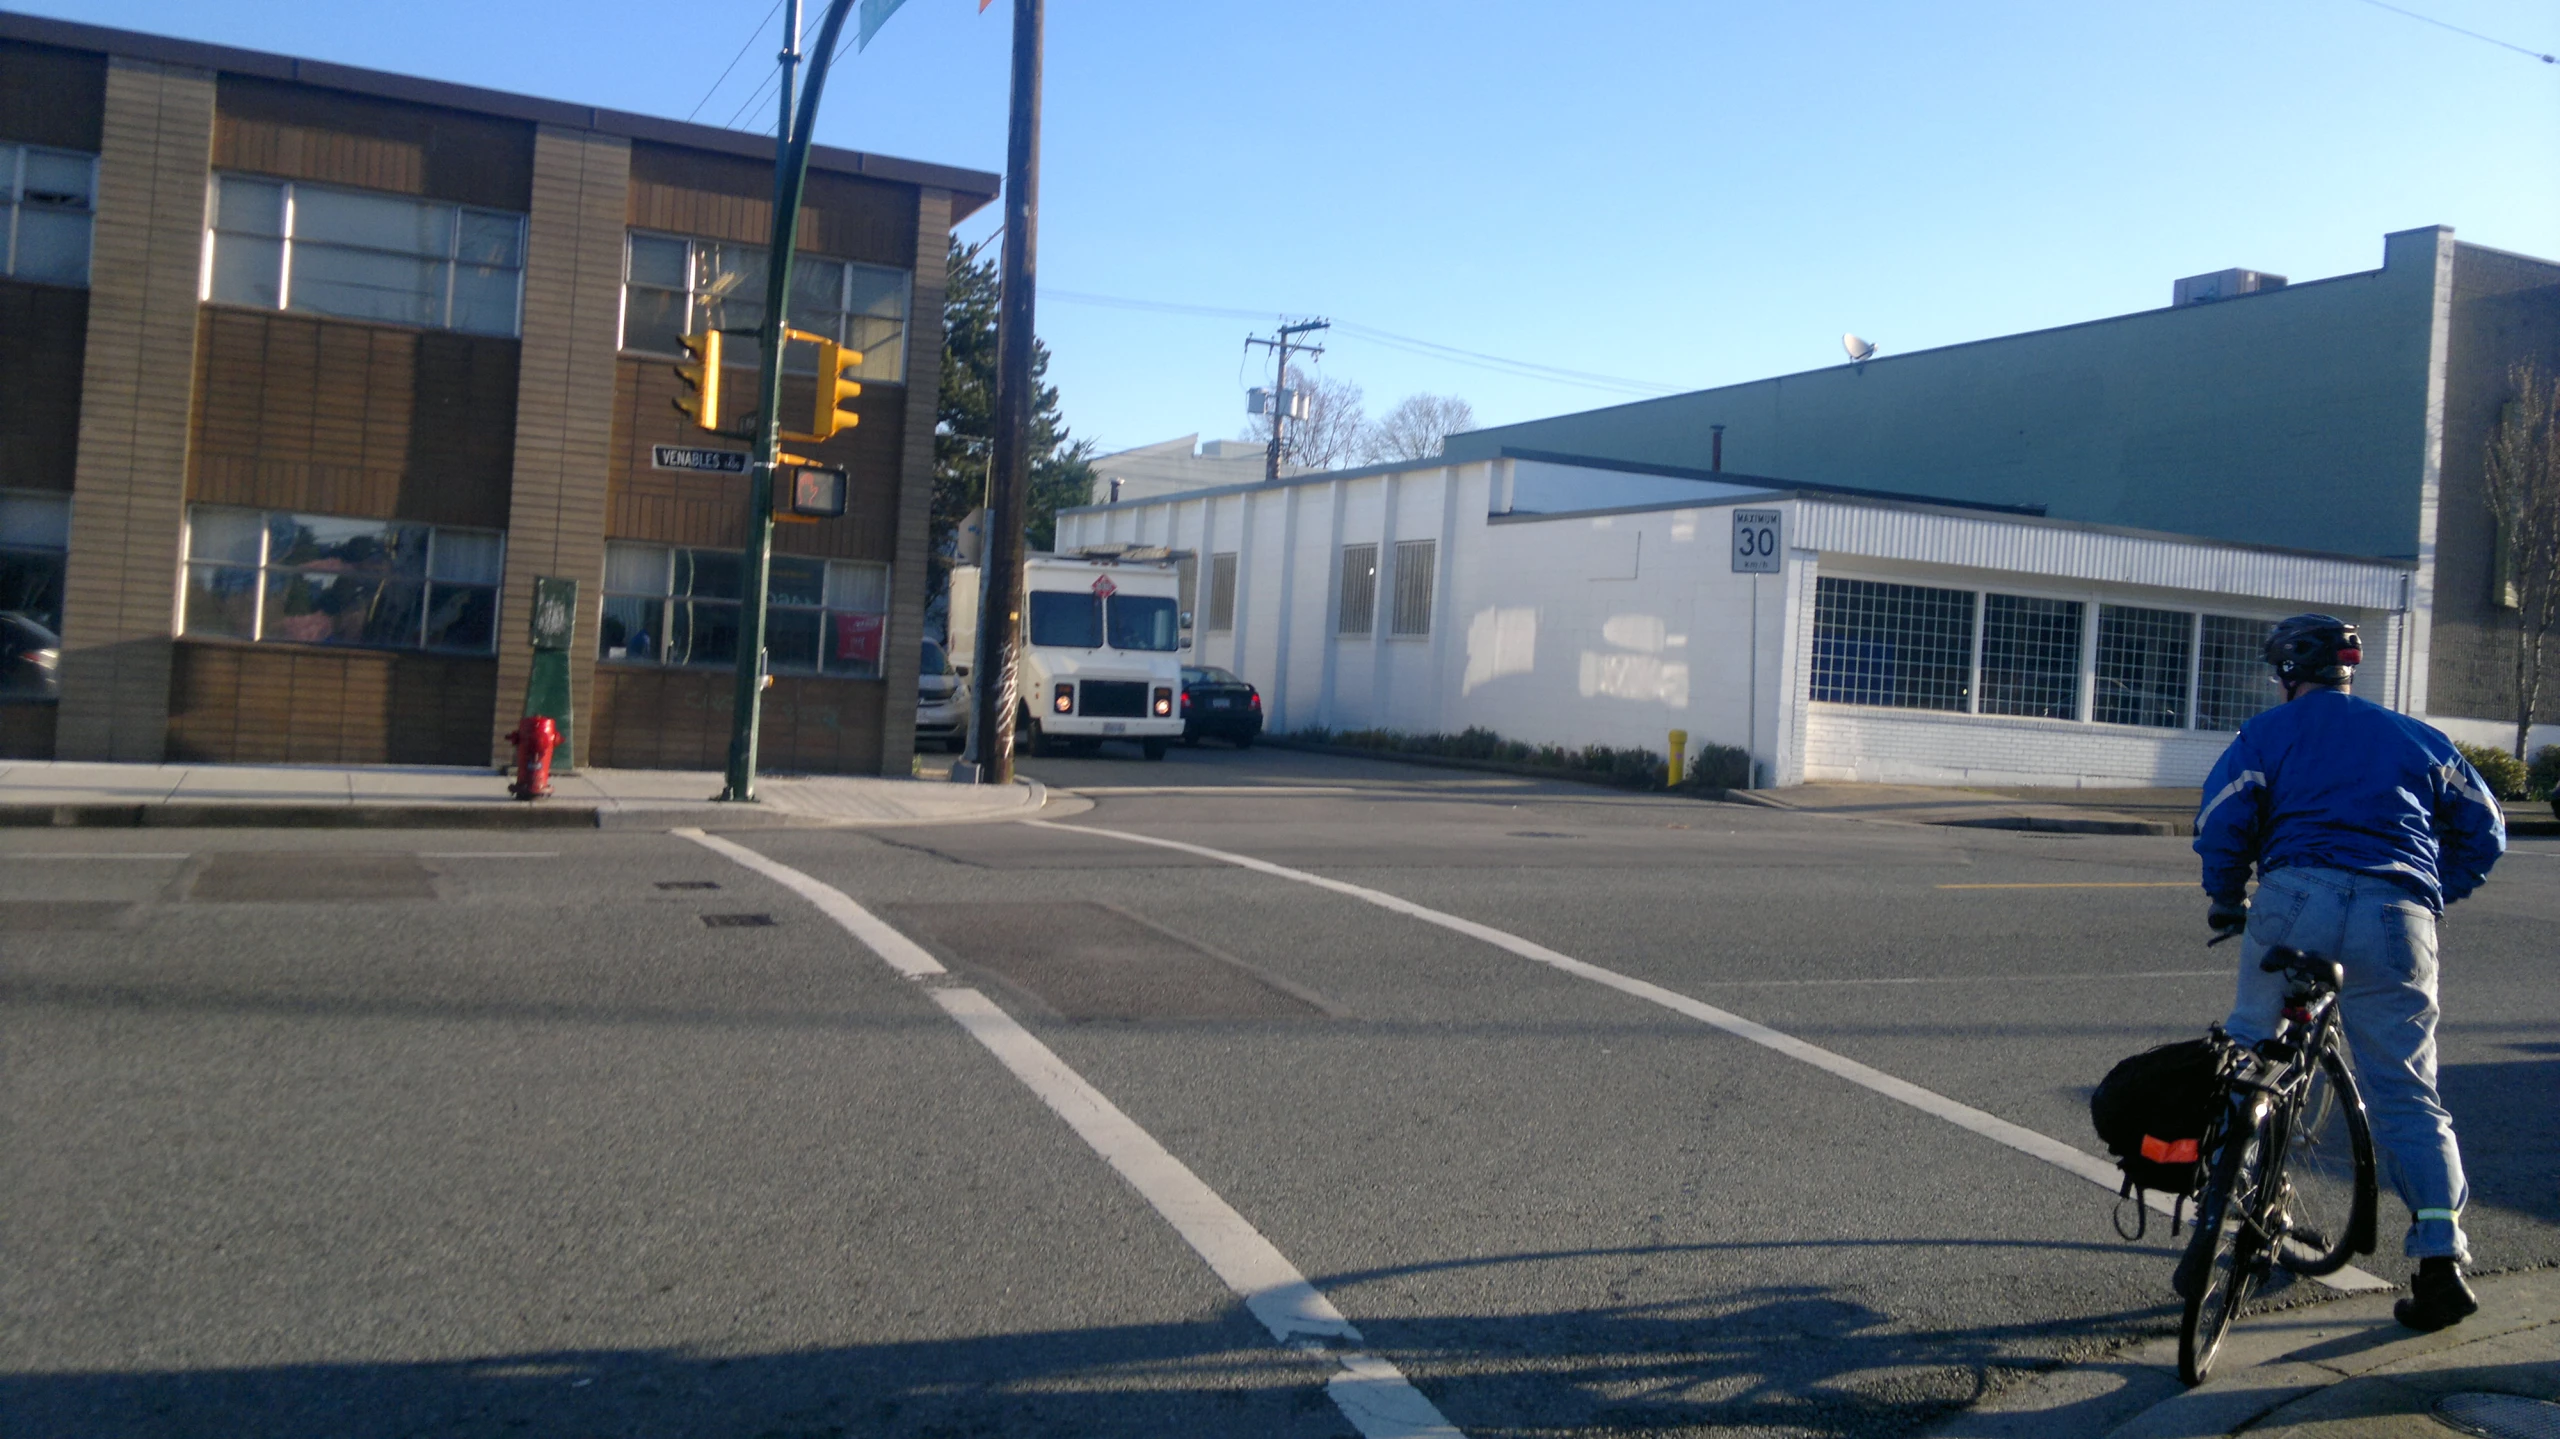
2341,1369
538,814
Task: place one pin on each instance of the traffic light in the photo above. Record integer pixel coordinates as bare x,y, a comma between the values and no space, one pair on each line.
700,374
828,416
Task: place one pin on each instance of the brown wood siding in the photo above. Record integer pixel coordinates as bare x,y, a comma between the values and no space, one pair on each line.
334,417
52,97
303,132
679,719
286,704
47,330
678,508
722,197
26,731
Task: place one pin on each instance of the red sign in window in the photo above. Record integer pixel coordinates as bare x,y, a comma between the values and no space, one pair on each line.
858,637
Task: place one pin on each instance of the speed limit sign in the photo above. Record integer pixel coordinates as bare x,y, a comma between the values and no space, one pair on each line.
1755,541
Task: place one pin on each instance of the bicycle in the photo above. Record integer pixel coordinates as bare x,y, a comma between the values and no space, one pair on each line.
2292,1177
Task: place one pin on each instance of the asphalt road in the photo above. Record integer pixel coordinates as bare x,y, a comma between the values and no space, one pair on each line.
313,1133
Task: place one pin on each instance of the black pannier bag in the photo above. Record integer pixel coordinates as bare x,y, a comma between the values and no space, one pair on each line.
2152,1112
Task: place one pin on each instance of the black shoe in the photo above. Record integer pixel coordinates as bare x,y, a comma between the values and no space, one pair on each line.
2437,1298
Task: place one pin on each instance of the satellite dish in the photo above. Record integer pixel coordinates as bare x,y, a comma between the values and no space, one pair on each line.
1859,350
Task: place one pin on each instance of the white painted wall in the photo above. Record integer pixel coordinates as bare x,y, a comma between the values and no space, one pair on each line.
1616,628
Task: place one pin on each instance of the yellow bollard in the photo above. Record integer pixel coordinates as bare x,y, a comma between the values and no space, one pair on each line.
1679,753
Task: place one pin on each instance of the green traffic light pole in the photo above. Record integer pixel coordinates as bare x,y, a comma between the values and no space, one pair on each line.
790,177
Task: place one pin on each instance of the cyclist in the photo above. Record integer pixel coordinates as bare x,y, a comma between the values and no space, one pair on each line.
2363,825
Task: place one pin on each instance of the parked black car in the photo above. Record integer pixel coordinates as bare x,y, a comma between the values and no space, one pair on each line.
1215,702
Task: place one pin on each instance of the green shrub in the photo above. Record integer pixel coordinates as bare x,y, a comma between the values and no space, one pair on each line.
2504,772
1718,766
1714,767
2542,777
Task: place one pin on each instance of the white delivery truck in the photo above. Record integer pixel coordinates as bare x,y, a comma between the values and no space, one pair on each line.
1101,654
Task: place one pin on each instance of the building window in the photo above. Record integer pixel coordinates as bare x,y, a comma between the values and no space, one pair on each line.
1901,646
44,234
1359,614
2142,666
1415,560
35,533
1222,592
323,580
665,605
359,255
2030,657
2233,681
678,286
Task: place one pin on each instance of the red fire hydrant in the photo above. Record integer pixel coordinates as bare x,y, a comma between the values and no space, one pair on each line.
534,738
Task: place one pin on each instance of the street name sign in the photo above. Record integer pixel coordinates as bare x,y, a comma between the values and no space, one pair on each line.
1755,541
680,457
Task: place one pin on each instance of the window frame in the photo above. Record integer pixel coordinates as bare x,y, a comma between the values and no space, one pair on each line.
55,557
1409,607
835,605
452,261
1365,590
845,314
1222,592
2199,678
13,198
266,569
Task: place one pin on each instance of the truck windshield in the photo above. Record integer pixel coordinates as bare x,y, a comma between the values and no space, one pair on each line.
1143,622
1066,619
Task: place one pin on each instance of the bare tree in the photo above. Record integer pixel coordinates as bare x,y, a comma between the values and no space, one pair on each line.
2523,486
1418,428
1333,432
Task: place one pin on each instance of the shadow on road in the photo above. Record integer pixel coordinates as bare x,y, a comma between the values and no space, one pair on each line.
1781,1359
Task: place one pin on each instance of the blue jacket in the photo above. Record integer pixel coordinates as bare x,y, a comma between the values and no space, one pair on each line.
2343,783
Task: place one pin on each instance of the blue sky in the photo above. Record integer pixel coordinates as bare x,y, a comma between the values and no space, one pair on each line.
1680,193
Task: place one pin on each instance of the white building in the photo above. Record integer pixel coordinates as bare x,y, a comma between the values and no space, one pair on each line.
1176,466
1896,639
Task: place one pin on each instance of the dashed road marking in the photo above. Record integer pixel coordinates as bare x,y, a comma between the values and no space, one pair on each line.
1371,1392
1928,1101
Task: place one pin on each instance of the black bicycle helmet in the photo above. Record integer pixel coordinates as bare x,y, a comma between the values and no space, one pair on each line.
2315,649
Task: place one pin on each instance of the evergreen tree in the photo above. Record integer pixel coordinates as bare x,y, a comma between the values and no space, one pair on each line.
1061,467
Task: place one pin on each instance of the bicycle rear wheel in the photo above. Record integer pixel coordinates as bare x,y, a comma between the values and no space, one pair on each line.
2222,1260
2329,1189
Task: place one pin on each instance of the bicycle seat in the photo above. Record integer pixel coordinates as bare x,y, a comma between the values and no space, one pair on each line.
2328,972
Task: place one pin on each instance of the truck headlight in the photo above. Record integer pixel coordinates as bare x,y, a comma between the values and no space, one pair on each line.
1164,702
1064,702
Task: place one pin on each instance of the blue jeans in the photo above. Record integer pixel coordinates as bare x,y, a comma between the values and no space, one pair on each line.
2385,939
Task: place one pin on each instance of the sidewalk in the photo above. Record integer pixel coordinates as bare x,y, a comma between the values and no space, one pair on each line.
2050,808
2339,1370
40,793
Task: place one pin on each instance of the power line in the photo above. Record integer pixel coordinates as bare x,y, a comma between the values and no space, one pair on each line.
733,61
1429,349
2458,30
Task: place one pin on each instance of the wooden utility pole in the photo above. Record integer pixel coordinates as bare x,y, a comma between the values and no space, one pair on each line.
1009,468
1281,348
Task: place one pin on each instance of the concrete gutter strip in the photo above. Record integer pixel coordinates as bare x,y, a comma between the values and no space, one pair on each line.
2343,1369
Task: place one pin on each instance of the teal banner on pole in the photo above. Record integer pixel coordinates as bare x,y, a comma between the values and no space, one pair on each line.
875,13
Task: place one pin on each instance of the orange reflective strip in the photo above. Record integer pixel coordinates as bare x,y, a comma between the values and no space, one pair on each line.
2169,1151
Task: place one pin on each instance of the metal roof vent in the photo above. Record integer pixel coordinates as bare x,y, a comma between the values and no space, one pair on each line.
2224,285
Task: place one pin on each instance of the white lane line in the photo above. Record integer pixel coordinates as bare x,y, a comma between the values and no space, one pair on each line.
1964,1116
95,856
489,854
1371,1392
1975,979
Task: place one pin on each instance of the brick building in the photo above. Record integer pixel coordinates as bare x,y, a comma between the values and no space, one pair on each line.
308,372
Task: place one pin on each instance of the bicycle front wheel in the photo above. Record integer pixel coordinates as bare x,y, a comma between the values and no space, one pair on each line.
2222,1259
2329,1192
